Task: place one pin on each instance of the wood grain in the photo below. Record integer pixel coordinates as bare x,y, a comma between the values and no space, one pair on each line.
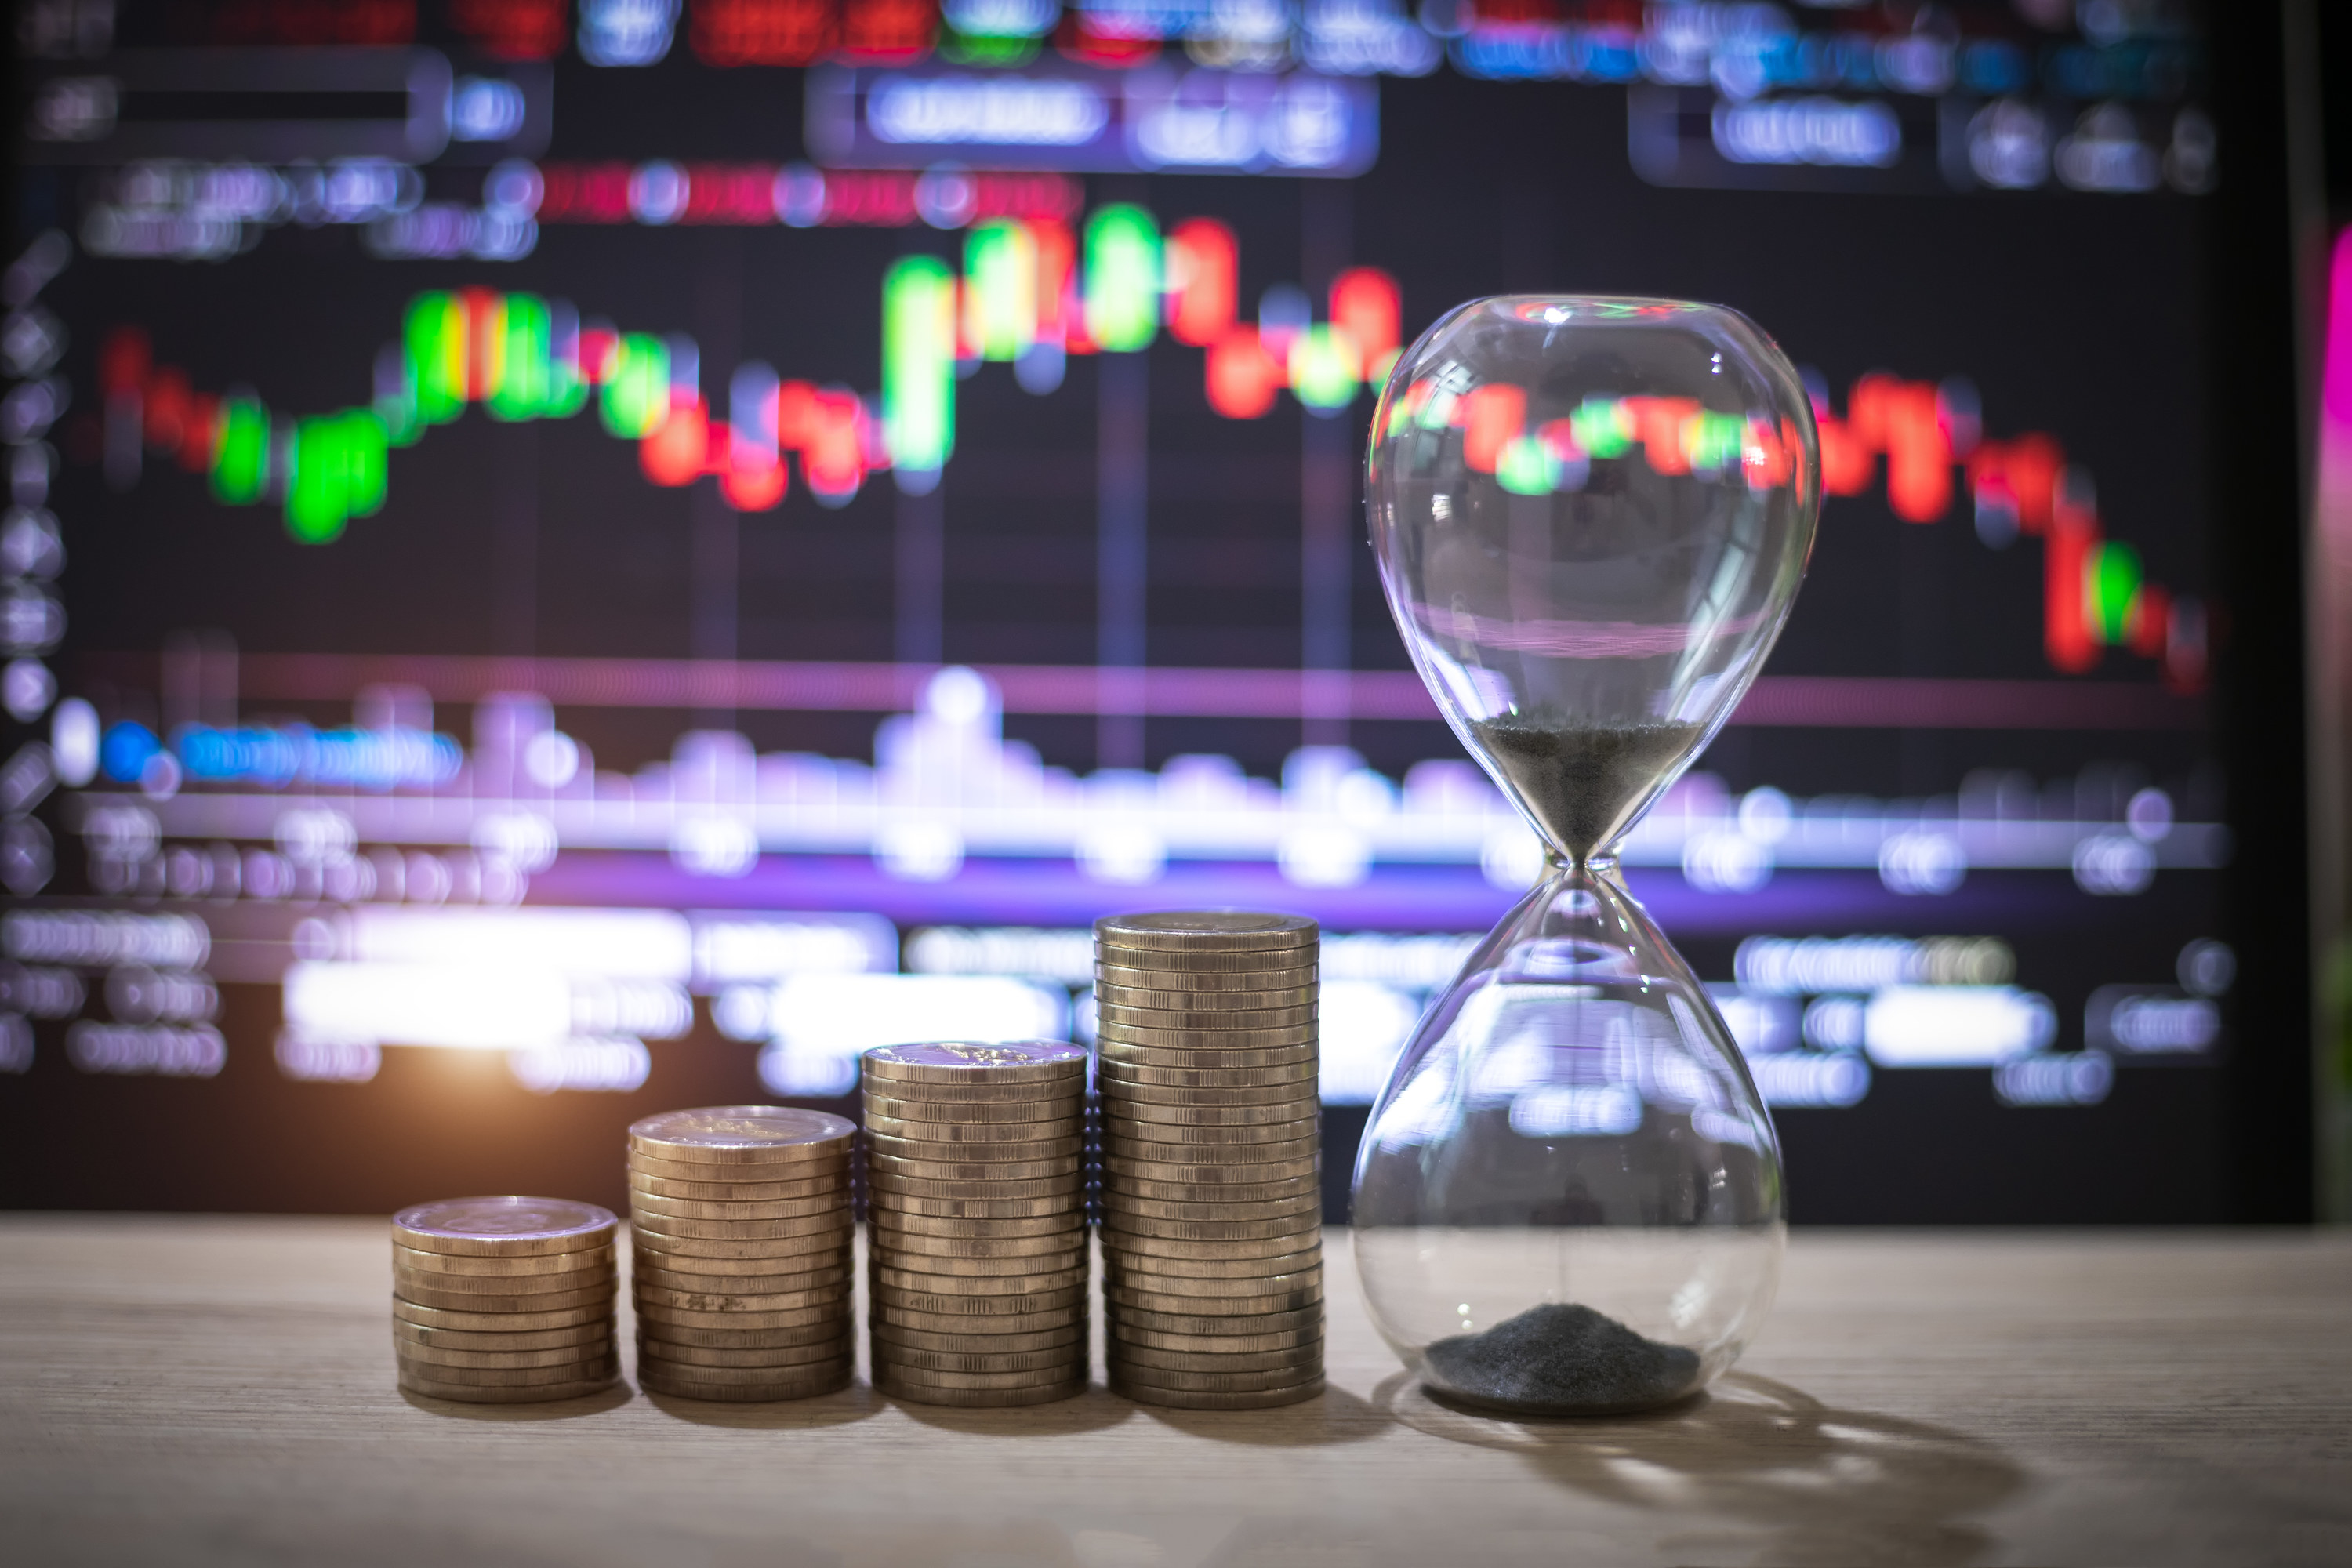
221,1391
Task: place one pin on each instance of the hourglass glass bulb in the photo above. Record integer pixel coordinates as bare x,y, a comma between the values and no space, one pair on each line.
1592,517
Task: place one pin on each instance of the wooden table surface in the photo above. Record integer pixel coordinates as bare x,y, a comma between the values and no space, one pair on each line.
199,1390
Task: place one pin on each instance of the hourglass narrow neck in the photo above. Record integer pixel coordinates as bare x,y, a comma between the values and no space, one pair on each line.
1599,865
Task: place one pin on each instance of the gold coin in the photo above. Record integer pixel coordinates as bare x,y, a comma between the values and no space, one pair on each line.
1008,1156
1202,1172
649,1294
886,1219
1151,1124
1063,1108
458,1394
1208,1009
1060,1128
510,1377
1127,1224
1132,1246
835,1181
1119,956
597,1313
907,1244
787,1373
976,1062
1239,1027
883,1162
1220,1192
1032,1265
752,1230
802,1273
668,1298
1126,1141
785,1174
1067,1083
1139,1267
503,1227
979,1276
1213,1344
660,1378
740,1318
1250,1159
740,1134
1122,1082
1304,1359
1236,1286
953,1323
1069,1357
1212,1206
657,1272
822,1236
550,1268
885,1276
1215,1005
1220,1381
835,1271
985,1398
931,1202
1130,1302
903,1340
1201,980
418,1288
1294,1109
1178,1399
928,1377
1153,1321
468,1339
648,1205
673,1333
1216,1050
1206,930
981,1308
652,1348
596,1351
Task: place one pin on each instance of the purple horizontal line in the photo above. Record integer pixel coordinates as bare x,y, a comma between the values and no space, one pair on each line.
1869,702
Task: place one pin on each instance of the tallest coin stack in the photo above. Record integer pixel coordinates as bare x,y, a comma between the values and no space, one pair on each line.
1211,1191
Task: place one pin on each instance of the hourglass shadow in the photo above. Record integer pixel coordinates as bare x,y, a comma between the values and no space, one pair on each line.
1815,1485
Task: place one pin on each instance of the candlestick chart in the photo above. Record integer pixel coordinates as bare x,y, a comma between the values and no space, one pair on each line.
1029,294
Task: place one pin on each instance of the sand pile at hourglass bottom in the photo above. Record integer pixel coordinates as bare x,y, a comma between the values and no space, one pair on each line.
1576,777
1562,1357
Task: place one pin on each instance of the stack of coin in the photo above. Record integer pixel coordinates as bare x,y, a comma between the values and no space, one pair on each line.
1211,1195
975,1197
741,1227
503,1300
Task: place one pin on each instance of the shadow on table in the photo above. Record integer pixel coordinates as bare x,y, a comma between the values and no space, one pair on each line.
1335,1415
612,1398
855,1403
1756,1458
1095,1410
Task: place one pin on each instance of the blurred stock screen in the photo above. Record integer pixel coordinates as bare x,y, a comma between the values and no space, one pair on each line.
566,560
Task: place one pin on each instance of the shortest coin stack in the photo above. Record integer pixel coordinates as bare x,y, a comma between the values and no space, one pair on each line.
976,1198
503,1300
742,1234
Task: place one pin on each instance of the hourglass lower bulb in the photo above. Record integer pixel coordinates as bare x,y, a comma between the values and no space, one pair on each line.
1592,517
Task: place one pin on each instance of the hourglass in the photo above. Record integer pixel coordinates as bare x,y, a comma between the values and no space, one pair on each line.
1592,517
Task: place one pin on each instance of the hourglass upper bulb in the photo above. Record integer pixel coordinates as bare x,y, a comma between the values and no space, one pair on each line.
1591,516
